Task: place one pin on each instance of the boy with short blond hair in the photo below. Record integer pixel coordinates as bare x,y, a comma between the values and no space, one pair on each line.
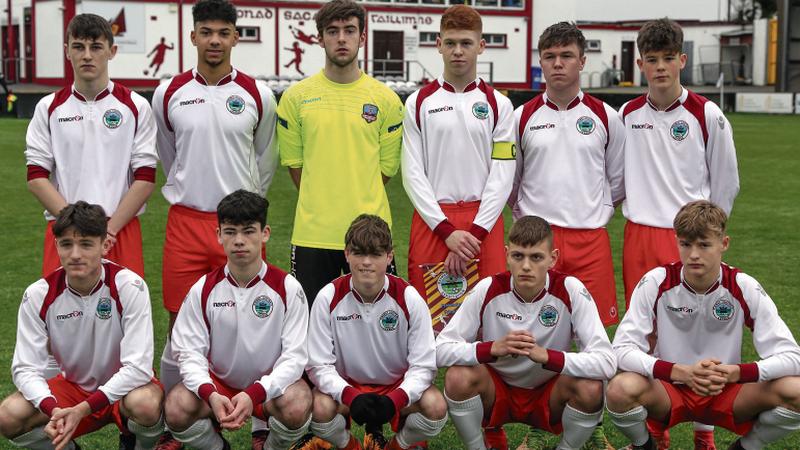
699,305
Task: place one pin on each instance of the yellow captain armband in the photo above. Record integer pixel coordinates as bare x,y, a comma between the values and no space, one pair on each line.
504,150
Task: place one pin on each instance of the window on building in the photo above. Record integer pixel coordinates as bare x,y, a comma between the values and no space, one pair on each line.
495,40
593,45
428,38
249,33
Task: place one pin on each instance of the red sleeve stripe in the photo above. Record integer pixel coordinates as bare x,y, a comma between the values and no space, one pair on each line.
97,401
558,288
489,92
555,361
173,87
205,391
527,111
597,107
483,352
424,93
478,231
257,393
56,283
60,98
444,229
212,279
275,278
249,85
35,172
663,370
696,105
123,95
145,174
501,284
633,105
48,405
748,373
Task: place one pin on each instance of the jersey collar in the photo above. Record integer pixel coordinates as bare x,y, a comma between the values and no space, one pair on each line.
678,101
97,287
449,87
711,289
225,80
377,297
259,276
575,101
538,296
101,95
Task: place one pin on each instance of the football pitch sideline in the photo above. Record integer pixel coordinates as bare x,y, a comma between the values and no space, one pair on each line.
763,229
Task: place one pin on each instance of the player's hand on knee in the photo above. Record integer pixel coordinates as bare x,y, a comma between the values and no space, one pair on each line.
242,410
515,343
454,265
66,421
463,244
362,409
384,409
221,406
730,372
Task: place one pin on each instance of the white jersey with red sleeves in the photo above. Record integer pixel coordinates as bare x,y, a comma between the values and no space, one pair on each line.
377,343
569,163
562,313
93,150
103,342
458,147
213,140
694,326
676,156
252,336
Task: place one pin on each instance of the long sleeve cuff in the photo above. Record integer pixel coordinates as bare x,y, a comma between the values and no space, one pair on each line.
444,230
48,405
748,373
555,361
145,174
205,391
97,401
257,393
483,352
349,394
663,370
399,398
35,171
478,231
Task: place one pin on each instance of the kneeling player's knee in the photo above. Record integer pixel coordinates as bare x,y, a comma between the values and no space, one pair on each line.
144,404
432,404
587,394
179,408
12,422
295,404
788,390
624,389
461,381
324,407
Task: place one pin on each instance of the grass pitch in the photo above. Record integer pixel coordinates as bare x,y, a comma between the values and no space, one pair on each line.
762,229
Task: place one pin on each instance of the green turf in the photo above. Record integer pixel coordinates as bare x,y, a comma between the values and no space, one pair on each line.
764,244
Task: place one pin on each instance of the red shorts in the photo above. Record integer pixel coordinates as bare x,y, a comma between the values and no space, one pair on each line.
68,394
191,250
380,389
424,247
644,249
516,404
127,252
586,254
714,410
227,391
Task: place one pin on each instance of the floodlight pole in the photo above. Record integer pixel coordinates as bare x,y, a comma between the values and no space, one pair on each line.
10,55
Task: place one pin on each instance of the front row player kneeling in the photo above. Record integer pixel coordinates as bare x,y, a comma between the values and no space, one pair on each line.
371,349
522,370
699,306
95,318
240,337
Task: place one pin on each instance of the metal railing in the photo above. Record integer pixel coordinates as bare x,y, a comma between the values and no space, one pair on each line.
388,67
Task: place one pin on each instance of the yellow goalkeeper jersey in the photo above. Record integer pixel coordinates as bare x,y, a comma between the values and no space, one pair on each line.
344,136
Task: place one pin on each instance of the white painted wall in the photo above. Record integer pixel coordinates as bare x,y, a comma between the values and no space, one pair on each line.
760,44
49,39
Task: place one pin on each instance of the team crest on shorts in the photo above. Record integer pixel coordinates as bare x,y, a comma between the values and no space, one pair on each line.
103,308
679,130
389,320
723,309
112,118
369,112
548,316
585,125
480,110
262,306
235,104
451,286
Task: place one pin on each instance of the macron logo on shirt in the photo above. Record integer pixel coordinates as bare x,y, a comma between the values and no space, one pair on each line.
641,126
71,315
194,101
228,304
510,316
354,316
544,126
438,110
75,118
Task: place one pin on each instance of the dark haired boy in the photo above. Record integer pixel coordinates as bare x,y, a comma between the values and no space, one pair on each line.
570,166
216,134
522,369
240,340
94,316
371,350
339,133
93,141
700,305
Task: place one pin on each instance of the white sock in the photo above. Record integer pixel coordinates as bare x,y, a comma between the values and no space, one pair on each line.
770,426
334,431
36,439
52,369
419,428
169,373
200,435
700,426
281,437
632,424
467,416
258,425
578,427
147,437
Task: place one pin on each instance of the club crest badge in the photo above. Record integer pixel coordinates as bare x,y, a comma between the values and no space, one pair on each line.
723,309
112,118
235,104
389,320
262,306
451,286
548,316
679,130
103,308
480,110
369,112
585,125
